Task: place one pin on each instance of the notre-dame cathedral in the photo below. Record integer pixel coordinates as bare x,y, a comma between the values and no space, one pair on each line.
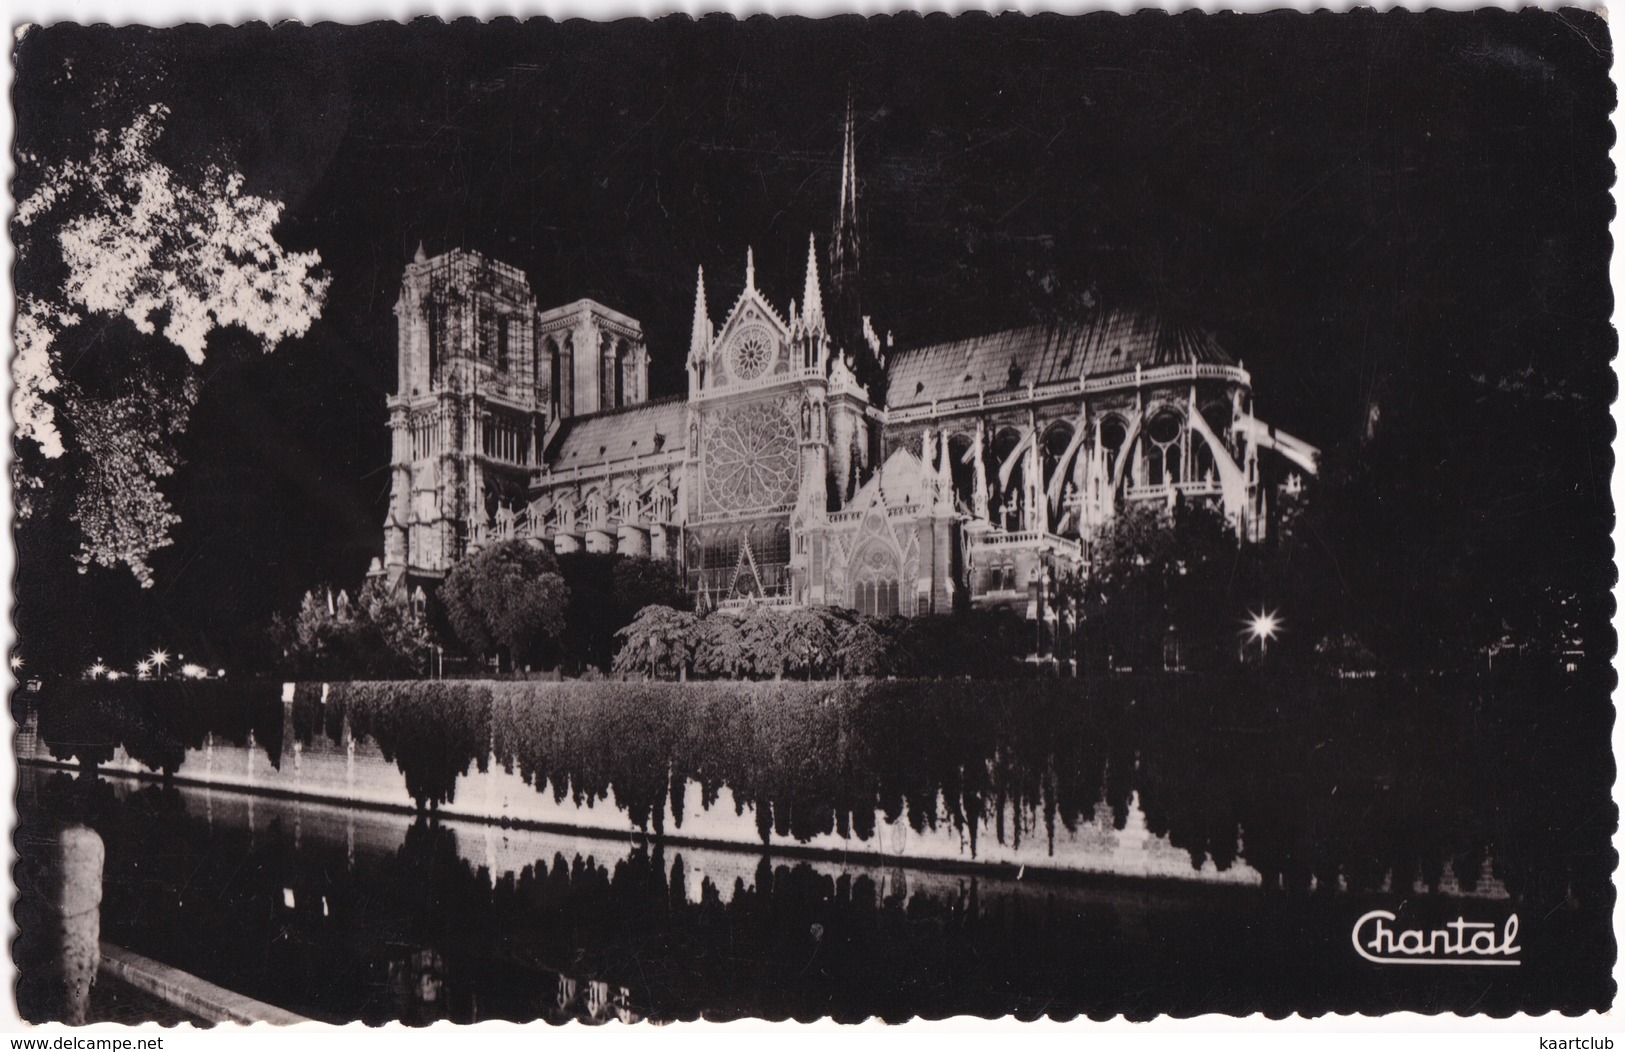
810,460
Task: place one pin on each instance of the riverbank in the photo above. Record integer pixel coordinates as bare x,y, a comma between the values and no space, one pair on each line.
1161,778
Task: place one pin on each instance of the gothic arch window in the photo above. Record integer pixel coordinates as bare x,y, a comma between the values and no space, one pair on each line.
567,376
623,364
597,509
962,474
432,319
1203,466
876,590
1011,496
549,379
1162,448
1113,435
1057,437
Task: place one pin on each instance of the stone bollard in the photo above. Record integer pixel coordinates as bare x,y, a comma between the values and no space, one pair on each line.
73,898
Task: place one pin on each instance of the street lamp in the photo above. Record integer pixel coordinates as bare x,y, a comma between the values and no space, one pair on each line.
159,659
1262,627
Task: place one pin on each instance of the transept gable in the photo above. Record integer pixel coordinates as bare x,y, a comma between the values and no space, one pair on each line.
753,342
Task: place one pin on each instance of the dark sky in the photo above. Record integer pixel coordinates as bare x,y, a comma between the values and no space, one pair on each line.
1356,204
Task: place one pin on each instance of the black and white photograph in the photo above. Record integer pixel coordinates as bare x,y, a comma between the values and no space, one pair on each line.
869,517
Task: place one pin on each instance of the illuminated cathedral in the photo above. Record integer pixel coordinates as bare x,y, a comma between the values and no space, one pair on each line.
810,460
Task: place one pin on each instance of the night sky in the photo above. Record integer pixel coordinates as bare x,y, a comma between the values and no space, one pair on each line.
1360,206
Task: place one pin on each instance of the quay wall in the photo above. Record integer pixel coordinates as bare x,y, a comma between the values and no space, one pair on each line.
354,771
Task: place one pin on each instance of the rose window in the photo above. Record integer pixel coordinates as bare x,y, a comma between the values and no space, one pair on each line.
751,354
750,458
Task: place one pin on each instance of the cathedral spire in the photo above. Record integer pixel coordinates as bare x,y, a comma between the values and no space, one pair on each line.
844,311
699,344
750,268
812,297
844,243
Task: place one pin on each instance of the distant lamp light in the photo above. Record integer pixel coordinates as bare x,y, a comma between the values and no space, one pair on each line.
143,668
191,671
98,670
159,659
16,662
1262,627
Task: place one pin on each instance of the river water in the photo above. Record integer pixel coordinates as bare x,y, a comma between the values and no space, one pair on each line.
346,913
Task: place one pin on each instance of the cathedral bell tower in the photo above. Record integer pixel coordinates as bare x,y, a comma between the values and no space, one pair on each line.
468,411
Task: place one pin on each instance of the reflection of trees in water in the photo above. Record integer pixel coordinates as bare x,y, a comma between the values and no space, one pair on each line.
1316,783
420,933
156,722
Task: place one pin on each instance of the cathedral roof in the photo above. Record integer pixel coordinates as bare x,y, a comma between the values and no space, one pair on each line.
903,479
617,434
1111,342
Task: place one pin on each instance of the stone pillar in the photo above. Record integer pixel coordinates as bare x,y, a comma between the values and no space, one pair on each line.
71,887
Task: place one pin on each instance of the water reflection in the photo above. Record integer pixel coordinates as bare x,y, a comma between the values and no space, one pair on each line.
344,914
1362,786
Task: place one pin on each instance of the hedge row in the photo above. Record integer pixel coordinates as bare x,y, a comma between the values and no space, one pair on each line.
155,721
1329,780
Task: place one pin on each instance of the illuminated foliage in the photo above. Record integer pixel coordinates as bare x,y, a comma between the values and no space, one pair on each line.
119,234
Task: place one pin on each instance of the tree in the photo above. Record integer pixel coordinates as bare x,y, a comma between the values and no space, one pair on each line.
378,635
506,597
721,649
866,650
640,581
767,641
659,643
590,620
119,234
1156,570
811,640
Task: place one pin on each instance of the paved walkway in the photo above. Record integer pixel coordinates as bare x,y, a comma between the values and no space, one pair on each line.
112,1000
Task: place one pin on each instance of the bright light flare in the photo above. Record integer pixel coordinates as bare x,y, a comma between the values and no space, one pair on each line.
1264,625
16,662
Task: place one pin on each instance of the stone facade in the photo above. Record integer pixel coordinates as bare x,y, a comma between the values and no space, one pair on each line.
809,461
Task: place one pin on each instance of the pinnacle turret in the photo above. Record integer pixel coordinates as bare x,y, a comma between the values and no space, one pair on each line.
699,343
812,298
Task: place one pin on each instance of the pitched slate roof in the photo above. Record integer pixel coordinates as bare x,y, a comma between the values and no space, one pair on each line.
902,479
1111,342
616,434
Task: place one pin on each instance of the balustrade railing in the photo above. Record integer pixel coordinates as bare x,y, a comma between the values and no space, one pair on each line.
1062,389
1026,539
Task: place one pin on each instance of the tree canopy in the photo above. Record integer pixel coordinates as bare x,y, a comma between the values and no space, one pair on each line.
376,635
149,252
507,597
